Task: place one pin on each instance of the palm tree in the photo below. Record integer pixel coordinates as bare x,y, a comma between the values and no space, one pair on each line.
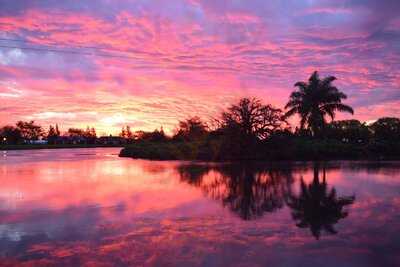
317,207
314,100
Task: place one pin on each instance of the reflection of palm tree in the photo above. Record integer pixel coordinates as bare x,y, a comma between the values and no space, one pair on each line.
317,208
248,190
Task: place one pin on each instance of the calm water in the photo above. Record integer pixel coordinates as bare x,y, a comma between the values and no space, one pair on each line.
87,207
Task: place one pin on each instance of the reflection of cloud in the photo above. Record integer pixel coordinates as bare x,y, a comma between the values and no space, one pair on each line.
78,210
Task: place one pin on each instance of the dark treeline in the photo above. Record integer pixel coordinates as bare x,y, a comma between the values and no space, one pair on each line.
251,130
23,133
32,133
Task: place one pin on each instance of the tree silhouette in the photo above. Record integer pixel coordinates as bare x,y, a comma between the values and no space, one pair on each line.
318,208
123,132
314,100
29,130
75,132
154,136
386,128
252,119
10,135
126,133
191,129
129,134
58,133
248,190
52,134
243,125
352,131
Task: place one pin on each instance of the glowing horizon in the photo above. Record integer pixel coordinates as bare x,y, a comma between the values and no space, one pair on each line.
154,64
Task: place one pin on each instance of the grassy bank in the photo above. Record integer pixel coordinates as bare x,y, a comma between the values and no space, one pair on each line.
161,150
27,147
284,150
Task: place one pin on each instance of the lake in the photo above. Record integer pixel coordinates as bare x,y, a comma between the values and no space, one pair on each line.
88,207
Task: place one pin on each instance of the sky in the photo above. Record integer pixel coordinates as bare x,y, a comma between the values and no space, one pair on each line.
150,63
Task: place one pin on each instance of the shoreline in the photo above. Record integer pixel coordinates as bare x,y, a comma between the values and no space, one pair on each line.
301,151
35,147
162,152
269,160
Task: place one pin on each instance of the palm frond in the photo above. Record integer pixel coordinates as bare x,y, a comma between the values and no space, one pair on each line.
328,80
297,95
291,112
314,77
301,85
293,103
303,121
339,107
331,113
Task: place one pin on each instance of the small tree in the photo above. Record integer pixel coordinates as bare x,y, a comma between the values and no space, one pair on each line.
191,129
122,134
352,131
10,135
252,119
93,132
30,130
90,135
52,134
57,130
386,129
243,126
129,134
158,135
155,136
75,132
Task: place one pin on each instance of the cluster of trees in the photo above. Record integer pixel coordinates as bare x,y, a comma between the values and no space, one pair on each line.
253,130
126,133
26,132
87,136
20,132
155,136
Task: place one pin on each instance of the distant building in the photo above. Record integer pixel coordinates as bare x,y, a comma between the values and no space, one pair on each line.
69,140
111,140
37,142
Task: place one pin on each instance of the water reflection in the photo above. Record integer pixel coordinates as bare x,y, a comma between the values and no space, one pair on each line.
74,208
250,190
317,207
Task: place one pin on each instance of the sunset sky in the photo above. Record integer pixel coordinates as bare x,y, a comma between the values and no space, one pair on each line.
150,63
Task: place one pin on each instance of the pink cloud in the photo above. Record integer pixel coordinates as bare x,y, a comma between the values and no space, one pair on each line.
155,68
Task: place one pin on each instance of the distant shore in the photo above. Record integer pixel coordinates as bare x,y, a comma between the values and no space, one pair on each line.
295,150
47,146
